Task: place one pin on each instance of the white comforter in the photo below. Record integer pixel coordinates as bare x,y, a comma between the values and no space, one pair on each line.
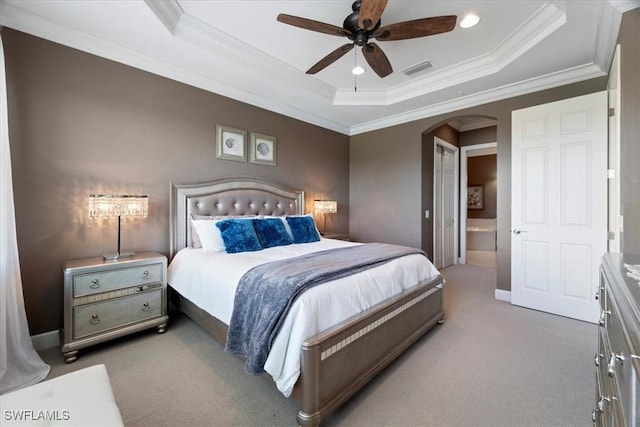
209,280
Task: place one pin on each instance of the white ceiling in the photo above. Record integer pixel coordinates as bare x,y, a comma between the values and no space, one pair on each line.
238,49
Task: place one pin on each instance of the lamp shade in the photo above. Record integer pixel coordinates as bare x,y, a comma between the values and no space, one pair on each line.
107,206
325,206
118,205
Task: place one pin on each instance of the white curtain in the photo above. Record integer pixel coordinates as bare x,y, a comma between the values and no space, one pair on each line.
20,365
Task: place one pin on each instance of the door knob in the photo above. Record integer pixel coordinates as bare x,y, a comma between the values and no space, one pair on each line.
516,231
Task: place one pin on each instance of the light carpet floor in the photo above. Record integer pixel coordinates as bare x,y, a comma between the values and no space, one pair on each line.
489,364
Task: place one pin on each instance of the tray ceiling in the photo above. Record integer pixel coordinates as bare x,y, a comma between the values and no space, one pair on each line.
238,49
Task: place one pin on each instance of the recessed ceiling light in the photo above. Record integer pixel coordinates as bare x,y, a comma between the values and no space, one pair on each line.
357,70
470,20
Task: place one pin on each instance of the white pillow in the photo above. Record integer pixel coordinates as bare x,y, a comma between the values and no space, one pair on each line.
209,234
195,237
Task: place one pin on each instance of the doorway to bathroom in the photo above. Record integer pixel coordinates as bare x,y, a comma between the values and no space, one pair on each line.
478,191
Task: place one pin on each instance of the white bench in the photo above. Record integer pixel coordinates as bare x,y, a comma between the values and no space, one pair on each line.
80,398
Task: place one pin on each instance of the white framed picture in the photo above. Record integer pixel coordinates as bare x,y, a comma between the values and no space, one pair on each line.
262,149
231,143
475,197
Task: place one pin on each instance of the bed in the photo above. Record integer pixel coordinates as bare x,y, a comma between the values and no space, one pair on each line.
333,359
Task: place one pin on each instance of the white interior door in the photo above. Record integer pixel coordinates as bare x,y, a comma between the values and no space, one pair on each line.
559,205
437,208
614,90
445,203
448,208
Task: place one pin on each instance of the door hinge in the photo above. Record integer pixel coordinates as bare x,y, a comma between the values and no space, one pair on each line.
612,112
611,235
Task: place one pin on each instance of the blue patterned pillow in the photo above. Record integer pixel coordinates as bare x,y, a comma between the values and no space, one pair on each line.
303,229
238,235
271,232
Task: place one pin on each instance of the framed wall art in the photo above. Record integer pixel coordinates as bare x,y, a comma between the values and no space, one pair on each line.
262,149
231,143
475,197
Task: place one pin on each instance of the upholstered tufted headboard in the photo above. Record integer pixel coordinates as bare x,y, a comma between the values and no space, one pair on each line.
234,196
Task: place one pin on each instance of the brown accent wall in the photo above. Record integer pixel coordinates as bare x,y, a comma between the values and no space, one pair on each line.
483,170
80,124
479,136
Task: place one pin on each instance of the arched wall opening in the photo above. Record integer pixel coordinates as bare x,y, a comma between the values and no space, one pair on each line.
458,132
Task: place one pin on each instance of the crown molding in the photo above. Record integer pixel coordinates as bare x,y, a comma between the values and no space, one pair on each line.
168,12
573,75
625,5
543,22
607,34
16,18
307,91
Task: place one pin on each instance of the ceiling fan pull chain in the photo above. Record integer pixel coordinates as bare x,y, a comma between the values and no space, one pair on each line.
355,75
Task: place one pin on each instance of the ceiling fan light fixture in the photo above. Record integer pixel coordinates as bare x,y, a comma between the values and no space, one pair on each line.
469,20
357,70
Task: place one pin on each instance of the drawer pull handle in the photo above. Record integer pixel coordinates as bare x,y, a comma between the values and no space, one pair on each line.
599,408
146,275
94,319
145,307
611,371
95,284
603,315
599,292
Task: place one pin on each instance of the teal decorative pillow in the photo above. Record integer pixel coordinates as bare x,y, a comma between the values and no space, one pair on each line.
238,235
271,232
303,229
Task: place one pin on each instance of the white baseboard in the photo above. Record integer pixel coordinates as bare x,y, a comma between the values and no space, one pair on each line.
503,295
46,340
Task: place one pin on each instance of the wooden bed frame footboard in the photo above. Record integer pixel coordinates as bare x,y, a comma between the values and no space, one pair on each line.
336,363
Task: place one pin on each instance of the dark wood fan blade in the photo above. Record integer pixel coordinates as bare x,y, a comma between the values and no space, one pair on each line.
370,13
417,28
310,24
377,59
330,58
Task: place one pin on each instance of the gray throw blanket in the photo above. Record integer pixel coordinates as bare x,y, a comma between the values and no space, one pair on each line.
266,292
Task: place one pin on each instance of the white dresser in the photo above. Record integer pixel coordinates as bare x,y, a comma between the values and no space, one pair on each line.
108,299
618,357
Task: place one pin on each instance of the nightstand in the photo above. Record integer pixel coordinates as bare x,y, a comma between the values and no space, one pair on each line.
337,236
104,300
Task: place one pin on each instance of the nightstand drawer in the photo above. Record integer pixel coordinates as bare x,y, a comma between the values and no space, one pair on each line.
108,280
93,318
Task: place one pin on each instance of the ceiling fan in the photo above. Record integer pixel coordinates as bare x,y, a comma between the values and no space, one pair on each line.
364,24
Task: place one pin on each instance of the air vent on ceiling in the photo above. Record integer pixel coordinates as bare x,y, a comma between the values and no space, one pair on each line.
417,68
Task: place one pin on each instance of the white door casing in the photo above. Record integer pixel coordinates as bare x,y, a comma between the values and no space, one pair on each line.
466,152
559,205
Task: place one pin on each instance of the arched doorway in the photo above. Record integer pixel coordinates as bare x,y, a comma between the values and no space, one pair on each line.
452,134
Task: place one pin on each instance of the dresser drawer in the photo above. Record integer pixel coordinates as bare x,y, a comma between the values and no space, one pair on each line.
93,318
109,280
620,363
